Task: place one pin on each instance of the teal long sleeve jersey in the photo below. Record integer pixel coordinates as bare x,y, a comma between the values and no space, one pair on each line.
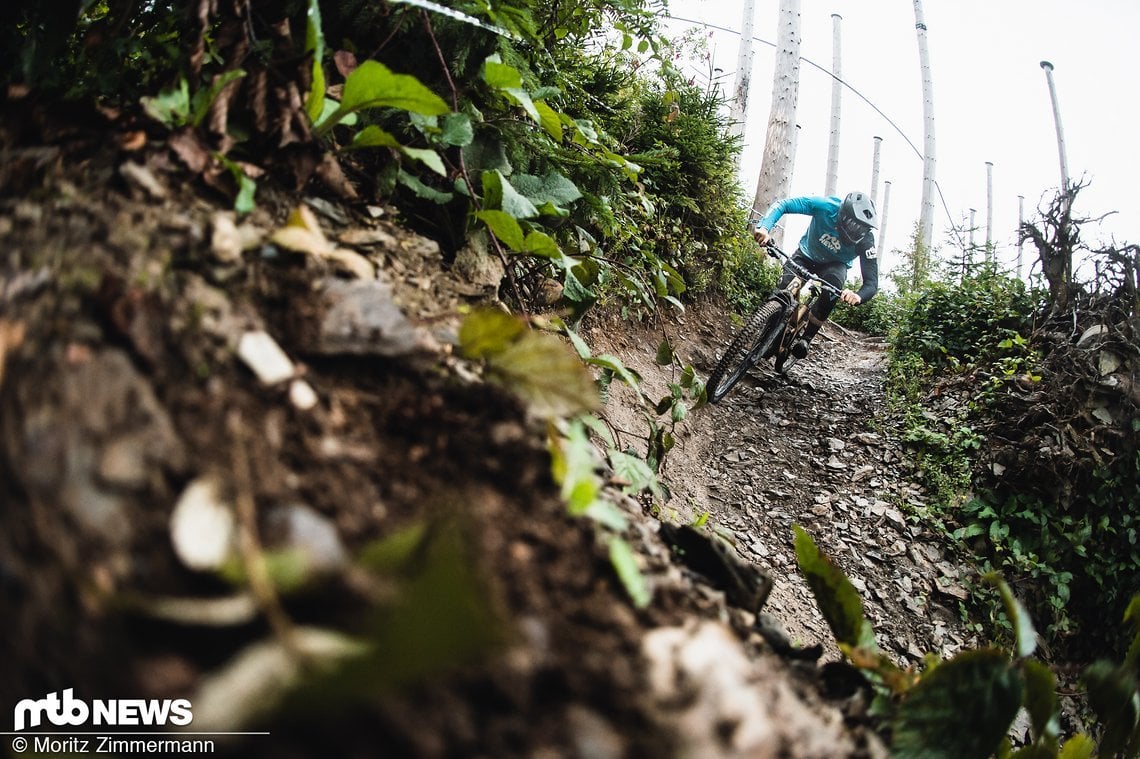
821,243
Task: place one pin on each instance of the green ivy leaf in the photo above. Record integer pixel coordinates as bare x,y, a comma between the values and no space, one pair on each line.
1080,746
572,465
489,332
548,119
553,188
170,107
625,564
499,193
315,44
457,130
427,157
1112,695
961,709
414,184
633,471
1024,634
665,353
547,375
541,244
505,227
374,85
373,136
836,597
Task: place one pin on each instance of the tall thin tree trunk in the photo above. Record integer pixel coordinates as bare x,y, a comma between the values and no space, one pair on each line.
1057,120
875,171
832,182
882,238
738,116
780,142
1020,223
989,211
926,217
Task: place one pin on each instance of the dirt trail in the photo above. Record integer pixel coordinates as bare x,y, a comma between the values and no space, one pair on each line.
816,449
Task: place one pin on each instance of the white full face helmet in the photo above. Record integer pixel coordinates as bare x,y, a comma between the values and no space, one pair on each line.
857,216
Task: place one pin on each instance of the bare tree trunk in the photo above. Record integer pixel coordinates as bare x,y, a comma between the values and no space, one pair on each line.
883,217
926,217
875,171
1057,120
829,186
780,142
739,114
1020,224
989,211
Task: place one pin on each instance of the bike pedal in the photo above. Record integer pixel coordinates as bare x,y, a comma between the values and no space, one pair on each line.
800,348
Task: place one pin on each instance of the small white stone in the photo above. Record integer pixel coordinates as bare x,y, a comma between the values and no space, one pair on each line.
261,353
202,526
302,395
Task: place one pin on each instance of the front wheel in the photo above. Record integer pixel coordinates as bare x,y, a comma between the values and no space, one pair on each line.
749,346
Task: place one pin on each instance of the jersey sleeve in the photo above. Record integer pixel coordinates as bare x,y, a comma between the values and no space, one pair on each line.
869,268
804,205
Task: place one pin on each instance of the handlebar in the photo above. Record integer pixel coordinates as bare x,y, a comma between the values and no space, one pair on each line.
797,269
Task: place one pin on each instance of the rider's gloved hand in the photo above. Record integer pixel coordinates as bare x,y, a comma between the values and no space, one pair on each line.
762,235
850,297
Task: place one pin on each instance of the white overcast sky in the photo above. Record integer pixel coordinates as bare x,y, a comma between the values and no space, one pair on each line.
991,103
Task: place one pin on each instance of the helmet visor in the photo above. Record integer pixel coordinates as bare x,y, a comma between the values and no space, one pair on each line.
851,230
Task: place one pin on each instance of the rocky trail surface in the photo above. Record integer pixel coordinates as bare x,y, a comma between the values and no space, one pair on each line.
816,448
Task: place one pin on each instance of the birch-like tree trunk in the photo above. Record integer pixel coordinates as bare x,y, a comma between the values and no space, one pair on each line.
989,211
829,186
875,170
738,115
780,142
882,236
926,216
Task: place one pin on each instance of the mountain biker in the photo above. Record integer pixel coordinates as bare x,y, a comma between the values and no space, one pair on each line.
840,232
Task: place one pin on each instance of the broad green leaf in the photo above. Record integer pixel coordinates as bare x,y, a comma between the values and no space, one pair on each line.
614,364
413,183
315,44
572,465
500,75
1080,746
599,428
247,188
427,157
548,119
457,130
633,471
505,227
170,107
665,353
499,193
1132,614
373,136
553,188
578,343
625,564
608,515
961,709
1041,699
547,375
574,290
374,85
836,597
486,153
541,244
1024,634
392,553
489,332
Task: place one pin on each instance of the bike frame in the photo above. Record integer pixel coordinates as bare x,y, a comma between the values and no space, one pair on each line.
772,330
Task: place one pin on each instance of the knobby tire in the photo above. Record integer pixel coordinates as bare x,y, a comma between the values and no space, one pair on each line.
749,346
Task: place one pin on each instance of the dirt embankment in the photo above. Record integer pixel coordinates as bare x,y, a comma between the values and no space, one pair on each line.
228,469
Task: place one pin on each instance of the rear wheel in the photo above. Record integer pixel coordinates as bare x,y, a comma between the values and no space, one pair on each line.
749,346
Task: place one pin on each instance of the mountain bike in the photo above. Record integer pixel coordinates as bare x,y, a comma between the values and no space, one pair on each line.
772,330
